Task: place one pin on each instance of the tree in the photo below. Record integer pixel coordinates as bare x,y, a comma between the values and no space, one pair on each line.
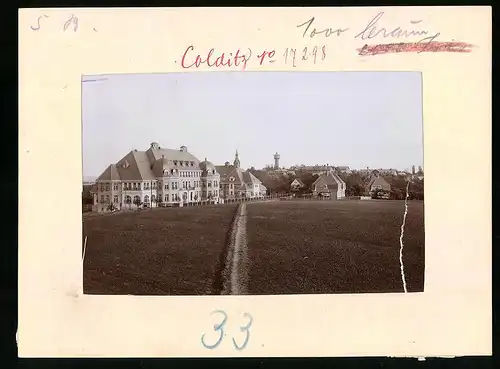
137,201
112,207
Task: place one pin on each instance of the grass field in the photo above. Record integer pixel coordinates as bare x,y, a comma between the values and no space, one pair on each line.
292,247
341,247
158,252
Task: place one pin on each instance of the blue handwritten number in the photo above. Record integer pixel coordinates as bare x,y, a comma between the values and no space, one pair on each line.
71,20
217,327
244,329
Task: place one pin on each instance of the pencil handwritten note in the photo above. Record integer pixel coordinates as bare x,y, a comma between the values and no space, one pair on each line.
68,23
412,37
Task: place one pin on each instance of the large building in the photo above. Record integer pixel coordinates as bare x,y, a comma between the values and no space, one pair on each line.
238,183
156,177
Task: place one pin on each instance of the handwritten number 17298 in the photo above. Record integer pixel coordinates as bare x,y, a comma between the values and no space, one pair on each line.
306,54
219,327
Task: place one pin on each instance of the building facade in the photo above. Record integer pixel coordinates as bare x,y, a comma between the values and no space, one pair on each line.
330,185
378,183
237,183
156,177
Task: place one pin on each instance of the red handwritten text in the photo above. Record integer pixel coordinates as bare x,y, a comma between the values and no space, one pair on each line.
269,54
416,47
223,60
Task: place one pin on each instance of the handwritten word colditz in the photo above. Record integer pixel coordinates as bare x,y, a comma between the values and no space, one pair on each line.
240,58
219,327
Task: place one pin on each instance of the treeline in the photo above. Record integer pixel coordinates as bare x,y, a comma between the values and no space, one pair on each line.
356,184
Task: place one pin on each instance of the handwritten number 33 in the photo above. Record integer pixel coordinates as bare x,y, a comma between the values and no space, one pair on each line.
220,327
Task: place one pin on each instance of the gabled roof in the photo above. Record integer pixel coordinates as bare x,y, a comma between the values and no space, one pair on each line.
330,178
380,180
298,180
240,176
249,178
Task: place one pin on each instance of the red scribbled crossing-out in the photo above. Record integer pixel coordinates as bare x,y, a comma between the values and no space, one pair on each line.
416,47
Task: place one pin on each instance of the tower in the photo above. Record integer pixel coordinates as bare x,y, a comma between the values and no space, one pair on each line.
276,161
236,160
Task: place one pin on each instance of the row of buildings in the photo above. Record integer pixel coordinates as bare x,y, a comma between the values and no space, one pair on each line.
164,177
159,176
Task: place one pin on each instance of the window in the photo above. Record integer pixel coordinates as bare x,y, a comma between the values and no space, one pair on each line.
153,198
102,186
209,184
128,199
166,198
137,200
102,199
231,186
115,199
146,199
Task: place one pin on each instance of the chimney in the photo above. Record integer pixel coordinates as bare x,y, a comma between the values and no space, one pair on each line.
184,148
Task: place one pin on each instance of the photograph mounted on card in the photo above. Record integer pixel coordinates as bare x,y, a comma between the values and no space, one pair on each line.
206,193
269,190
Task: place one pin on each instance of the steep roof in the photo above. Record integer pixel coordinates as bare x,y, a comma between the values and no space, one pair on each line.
250,178
109,174
240,176
171,154
135,166
379,180
149,164
224,170
330,178
299,181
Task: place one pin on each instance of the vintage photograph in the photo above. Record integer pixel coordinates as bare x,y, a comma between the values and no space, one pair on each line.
252,183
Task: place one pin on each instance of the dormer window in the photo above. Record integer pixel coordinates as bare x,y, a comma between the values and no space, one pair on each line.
175,162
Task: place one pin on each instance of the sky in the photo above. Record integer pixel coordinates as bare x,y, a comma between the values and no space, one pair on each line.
356,119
